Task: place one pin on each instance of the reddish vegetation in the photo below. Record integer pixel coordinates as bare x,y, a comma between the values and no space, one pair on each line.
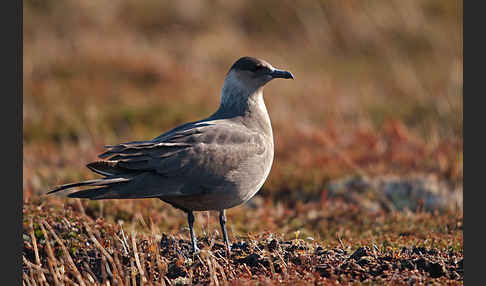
95,251
366,184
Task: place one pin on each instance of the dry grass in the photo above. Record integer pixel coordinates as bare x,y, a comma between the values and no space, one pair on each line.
378,92
77,249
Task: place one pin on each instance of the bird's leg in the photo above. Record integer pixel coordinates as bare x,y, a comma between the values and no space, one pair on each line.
190,220
222,221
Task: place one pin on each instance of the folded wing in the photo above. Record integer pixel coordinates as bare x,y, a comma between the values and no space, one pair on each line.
173,164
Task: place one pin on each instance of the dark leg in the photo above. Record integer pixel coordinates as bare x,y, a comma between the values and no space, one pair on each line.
190,220
222,221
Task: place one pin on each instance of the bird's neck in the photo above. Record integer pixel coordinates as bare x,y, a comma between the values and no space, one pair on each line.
246,104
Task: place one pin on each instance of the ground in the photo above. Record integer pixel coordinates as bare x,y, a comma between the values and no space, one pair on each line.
366,185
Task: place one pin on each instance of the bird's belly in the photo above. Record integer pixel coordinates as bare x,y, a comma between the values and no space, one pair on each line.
232,189
220,197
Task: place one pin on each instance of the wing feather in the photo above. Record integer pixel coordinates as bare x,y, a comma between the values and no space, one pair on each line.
176,163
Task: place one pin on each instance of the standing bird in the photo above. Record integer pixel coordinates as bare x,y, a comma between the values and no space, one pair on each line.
211,164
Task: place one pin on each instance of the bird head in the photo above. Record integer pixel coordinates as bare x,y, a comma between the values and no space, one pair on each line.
244,83
254,73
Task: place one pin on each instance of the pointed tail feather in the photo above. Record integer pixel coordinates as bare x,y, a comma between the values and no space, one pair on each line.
132,186
97,182
108,192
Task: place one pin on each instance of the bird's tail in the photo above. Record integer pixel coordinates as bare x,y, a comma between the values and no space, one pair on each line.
127,186
101,185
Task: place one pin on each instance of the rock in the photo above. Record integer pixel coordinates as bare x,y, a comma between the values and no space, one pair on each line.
324,270
365,260
389,192
273,245
436,270
360,252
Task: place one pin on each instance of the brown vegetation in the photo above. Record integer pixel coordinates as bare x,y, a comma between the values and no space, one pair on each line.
377,95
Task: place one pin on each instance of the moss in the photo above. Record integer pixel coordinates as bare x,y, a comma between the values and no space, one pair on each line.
73,251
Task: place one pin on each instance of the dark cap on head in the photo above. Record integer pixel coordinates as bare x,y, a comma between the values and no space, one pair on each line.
248,64
259,67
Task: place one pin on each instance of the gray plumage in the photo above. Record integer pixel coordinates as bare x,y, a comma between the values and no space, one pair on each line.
211,164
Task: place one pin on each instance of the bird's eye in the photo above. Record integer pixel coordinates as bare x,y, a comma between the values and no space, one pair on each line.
258,68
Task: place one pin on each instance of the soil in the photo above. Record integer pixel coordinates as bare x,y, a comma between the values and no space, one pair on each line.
266,259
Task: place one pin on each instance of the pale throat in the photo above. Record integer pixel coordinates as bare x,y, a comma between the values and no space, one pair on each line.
239,96
246,101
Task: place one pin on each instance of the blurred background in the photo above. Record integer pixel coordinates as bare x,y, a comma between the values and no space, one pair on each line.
372,121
